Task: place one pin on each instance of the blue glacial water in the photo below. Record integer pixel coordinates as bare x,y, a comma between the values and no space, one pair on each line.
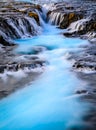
50,102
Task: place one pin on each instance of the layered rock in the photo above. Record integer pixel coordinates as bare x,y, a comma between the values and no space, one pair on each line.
85,28
63,14
18,19
79,18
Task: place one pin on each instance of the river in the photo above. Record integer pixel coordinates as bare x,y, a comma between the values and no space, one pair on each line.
50,102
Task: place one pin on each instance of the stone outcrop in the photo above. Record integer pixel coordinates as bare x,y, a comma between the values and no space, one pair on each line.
63,14
79,18
18,19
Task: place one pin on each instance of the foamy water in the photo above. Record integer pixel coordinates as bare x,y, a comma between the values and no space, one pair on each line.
50,102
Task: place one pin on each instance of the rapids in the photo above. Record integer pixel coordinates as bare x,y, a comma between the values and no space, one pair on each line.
50,102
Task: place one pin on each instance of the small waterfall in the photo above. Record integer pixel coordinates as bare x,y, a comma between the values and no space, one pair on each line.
19,27
78,25
56,18
13,24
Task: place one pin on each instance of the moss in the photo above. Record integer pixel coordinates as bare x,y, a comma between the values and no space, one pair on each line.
71,16
34,15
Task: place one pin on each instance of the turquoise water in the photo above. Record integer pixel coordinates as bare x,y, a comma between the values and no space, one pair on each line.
50,102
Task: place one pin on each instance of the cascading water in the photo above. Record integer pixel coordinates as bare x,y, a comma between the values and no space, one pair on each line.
49,103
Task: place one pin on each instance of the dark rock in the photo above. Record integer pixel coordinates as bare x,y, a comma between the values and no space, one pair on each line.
86,59
79,18
17,20
6,42
18,66
64,14
81,91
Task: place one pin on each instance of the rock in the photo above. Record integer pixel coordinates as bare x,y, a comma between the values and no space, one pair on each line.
34,15
17,66
18,70
18,19
6,42
79,18
81,91
64,14
38,49
85,60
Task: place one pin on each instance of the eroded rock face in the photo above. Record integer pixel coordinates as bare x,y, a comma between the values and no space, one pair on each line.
18,19
79,18
85,28
63,14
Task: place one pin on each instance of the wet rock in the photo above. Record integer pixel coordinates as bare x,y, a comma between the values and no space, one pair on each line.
79,18
84,27
85,60
18,70
18,19
84,66
64,14
23,65
81,91
6,42
38,49
3,94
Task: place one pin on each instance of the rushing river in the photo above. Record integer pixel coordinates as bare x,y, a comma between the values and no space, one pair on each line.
50,102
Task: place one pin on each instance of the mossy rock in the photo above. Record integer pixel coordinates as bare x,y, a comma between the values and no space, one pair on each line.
34,15
71,16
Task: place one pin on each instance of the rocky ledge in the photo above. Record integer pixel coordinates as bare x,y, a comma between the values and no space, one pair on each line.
17,20
79,18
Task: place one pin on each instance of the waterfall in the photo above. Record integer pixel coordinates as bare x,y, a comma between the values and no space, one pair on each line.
56,18
21,25
78,25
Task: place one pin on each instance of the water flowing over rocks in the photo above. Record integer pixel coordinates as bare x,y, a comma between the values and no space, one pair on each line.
18,20
79,18
18,70
63,15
